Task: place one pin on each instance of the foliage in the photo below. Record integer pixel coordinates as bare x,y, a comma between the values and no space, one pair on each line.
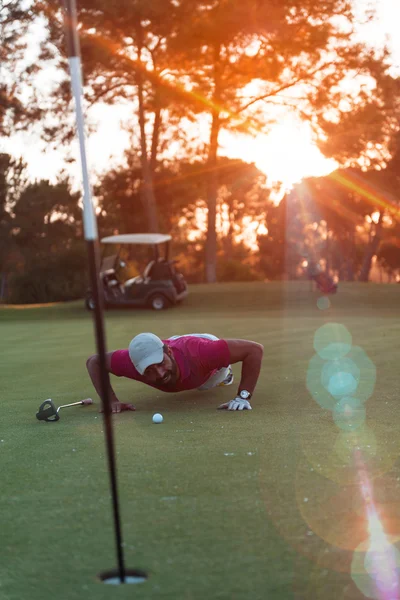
239,265
181,193
44,247
343,217
47,219
178,186
244,59
12,182
239,64
272,254
16,70
58,280
125,60
389,256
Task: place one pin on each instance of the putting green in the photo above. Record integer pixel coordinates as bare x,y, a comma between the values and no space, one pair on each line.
254,505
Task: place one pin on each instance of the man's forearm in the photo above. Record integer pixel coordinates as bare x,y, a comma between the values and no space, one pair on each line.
251,367
93,367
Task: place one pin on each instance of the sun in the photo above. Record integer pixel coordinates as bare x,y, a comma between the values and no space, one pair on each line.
286,155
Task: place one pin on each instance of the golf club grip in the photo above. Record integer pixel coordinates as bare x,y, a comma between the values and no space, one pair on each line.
87,401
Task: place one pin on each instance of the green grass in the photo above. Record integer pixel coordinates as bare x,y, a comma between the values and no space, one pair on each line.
213,503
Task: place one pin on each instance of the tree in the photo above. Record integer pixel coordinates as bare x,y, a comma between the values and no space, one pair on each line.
345,216
378,192
15,72
178,187
331,214
47,232
12,182
125,60
240,56
47,219
42,254
181,195
389,257
282,247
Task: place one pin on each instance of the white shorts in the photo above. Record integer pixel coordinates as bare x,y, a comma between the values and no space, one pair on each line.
219,376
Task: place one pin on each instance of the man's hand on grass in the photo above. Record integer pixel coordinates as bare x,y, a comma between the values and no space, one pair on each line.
236,404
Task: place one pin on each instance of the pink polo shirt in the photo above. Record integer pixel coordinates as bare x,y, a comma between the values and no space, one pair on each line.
197,358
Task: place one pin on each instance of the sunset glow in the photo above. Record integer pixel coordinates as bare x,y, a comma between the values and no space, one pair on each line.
286,155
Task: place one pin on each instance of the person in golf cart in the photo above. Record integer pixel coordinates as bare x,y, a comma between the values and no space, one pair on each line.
161,284
183,362
323,281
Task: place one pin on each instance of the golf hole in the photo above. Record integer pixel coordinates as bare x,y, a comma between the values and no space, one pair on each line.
131,576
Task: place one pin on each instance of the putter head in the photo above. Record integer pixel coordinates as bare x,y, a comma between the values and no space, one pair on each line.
47,412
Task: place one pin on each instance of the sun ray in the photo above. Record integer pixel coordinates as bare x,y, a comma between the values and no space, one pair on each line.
370,193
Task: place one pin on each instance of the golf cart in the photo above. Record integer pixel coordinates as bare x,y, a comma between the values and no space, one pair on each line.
159,286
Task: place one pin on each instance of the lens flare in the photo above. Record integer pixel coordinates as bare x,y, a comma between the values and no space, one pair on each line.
323,303
333,482
330,510
347,442
349,414
340,377
329,380
376,568
332,341
314,384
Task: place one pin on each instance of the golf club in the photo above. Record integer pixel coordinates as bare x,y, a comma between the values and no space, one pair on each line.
48,412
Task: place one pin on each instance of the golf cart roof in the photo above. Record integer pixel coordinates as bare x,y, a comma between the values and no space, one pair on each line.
137,238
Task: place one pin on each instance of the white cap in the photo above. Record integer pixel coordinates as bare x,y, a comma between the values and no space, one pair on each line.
144,350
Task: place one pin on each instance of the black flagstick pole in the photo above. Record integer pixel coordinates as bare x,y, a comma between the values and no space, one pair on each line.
91,237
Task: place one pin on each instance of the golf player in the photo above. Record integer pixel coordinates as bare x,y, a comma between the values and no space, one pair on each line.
183,362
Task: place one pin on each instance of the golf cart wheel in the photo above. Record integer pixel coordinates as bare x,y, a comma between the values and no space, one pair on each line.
89,303
158,302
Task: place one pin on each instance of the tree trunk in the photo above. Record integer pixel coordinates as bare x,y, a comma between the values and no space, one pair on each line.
371,250
328,251
147,191
352,254
156,134
3,279
212,192
212,176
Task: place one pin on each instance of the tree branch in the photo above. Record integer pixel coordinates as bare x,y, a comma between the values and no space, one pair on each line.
284,87
100,95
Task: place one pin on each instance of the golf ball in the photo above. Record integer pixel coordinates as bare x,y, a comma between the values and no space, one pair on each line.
157,418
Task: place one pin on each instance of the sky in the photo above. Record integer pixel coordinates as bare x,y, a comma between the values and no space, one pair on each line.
286,155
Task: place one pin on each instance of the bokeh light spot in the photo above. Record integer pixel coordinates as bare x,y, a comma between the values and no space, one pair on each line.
323,303
332,341
314,383
340,377
327,381
341,384
330,511
349,414
362,440
367,370
376,571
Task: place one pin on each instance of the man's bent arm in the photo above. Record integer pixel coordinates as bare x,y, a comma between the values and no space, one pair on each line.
250,354
93,367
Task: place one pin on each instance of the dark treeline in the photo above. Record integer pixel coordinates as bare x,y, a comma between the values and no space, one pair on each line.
230,64
342,221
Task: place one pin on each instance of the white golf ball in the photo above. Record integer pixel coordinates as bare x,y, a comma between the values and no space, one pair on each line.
157,418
